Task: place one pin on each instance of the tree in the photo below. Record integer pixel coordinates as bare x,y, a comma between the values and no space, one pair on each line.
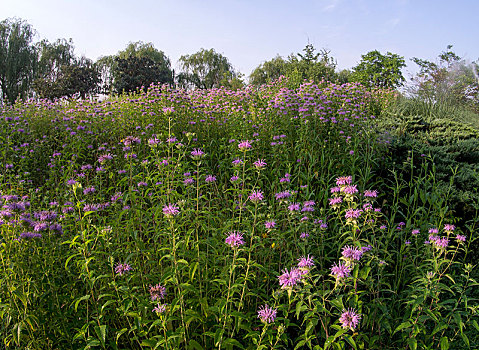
448,80
60,73
310,65
268,71
52,56
378,70
17,59
137,72
139,64
204,69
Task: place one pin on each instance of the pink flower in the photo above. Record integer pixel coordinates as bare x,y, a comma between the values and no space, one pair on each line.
349,319
234,239
267,314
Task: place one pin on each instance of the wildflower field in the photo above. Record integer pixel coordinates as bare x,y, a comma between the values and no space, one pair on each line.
262,218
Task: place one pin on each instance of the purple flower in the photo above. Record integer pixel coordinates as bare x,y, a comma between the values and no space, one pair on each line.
340,271
270,224
335,189
350,189
256,196
306,262
237,162
129,140
234,178
415,232
197,153
344,180
441,243
294,207
449,228
352,214
121,269
89,190
352,253
304,235
234,239
335,202
349,319
290,278
267,314
260,164
282,195
30,235
153,141
159,309
460,238
170,210
188,181
102,159
157,292
210,178
244,145
370,193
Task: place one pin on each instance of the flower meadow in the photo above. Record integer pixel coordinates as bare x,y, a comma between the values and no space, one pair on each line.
214,219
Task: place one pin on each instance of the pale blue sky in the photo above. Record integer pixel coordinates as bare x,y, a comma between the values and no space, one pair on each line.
249,32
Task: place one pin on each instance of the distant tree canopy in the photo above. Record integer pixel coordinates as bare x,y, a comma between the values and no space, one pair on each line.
138,65
309,65
18,59
450,80
60,73
206,69
378,70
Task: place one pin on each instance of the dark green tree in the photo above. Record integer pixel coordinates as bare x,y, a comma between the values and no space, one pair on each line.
134,72
60,73
204,69
378,70
139,64
17,59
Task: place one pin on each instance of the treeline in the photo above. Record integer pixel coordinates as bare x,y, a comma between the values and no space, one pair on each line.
51,70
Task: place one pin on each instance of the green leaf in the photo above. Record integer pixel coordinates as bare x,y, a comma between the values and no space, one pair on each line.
101,333
444,343
85,297
412,342
439,328
193,344
231,341
402,326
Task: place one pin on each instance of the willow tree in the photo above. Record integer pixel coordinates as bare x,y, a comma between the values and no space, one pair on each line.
204,69
17,59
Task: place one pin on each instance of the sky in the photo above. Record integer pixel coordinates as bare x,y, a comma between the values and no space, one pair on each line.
249,32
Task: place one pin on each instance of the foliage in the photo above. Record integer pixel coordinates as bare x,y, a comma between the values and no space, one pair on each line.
134,72
268,71
204,69
80,77
450,80
309,66
378,70
17,59
139,64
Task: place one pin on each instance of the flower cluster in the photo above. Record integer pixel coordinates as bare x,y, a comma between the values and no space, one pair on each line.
350,319
234,239
267,314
